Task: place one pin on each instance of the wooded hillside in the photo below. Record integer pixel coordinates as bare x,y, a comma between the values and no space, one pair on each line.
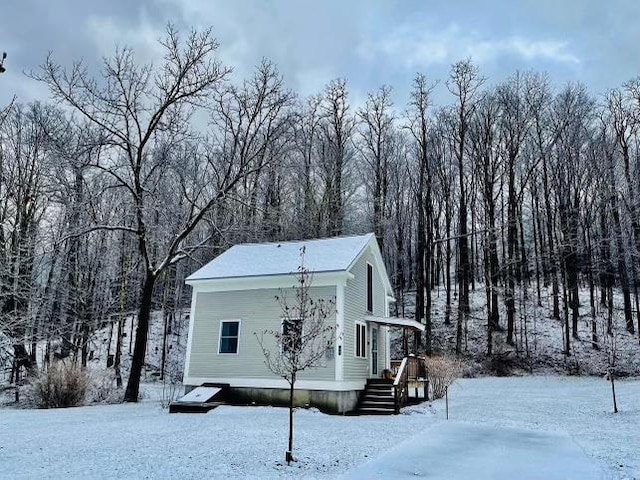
122,183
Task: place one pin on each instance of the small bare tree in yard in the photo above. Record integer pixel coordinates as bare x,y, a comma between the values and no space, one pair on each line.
303,341
609,345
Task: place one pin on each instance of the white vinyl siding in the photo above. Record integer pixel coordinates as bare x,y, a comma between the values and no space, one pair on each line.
258,310
355,300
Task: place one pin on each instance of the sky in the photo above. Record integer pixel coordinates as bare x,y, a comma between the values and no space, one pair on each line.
369,43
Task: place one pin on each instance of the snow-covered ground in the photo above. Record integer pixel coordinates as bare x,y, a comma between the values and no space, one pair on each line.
541,350
143,441
457,450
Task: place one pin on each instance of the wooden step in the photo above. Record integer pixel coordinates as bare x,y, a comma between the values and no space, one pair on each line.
376,411
380,387
379,381
372,396
378,398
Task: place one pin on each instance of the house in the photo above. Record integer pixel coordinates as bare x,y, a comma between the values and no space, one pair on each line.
234,298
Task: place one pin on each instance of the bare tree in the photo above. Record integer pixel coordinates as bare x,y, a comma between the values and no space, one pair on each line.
483,136
303,341
24,185
376,147
464,83
420,132
143,116
337,128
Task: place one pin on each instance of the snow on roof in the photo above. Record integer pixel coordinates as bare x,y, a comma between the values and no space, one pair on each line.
281,258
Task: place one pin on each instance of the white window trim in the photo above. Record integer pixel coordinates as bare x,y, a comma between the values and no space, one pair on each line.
373,300
355,339
229,320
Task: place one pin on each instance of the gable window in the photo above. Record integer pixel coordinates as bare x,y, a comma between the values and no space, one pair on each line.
291,334
361,340
229,333
369,288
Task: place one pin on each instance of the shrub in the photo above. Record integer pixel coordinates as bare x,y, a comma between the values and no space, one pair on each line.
441,373
62,385
103,389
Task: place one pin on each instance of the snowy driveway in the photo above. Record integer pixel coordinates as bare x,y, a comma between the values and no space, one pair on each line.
461,451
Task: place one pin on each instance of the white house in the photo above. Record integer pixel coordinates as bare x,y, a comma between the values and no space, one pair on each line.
234,297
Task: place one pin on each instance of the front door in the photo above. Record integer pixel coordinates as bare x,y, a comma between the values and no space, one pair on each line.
374,351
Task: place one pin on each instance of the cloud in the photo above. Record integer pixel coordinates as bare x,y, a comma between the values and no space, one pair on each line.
413,47
143,37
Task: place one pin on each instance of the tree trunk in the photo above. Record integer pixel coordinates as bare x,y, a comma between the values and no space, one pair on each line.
289,453
613,391
118,355
512,241
142,331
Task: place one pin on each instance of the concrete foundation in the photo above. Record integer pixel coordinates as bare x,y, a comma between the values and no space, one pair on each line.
328,401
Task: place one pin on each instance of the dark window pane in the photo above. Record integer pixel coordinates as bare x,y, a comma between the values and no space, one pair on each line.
229,329
357,340
229,345
369,288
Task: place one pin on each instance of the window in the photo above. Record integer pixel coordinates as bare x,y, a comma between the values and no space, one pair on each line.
229,333
291,334
369,288
361,340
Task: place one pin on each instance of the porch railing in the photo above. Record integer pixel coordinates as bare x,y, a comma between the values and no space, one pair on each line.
411,369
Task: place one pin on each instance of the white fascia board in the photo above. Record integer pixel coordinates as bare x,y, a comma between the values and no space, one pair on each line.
321,279
278,383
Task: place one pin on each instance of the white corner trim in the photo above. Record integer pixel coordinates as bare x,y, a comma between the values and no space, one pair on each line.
339,346
192,316
278,383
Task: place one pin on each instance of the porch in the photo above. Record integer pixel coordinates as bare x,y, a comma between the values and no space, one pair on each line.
405,383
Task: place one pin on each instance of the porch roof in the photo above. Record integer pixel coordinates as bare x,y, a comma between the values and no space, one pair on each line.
396,322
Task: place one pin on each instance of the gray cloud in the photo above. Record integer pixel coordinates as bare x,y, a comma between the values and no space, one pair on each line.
369,43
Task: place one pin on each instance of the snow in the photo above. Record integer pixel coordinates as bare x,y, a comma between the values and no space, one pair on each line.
512,416
542,351
455,450
282,258
200,394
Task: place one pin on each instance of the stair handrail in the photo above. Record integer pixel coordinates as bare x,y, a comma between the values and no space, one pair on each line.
400,385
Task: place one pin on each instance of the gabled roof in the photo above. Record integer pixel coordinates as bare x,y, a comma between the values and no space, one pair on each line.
335,254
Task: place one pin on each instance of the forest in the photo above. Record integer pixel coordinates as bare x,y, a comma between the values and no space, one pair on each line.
125,180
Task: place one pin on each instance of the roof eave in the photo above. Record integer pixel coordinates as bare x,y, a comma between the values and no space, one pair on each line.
254,282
